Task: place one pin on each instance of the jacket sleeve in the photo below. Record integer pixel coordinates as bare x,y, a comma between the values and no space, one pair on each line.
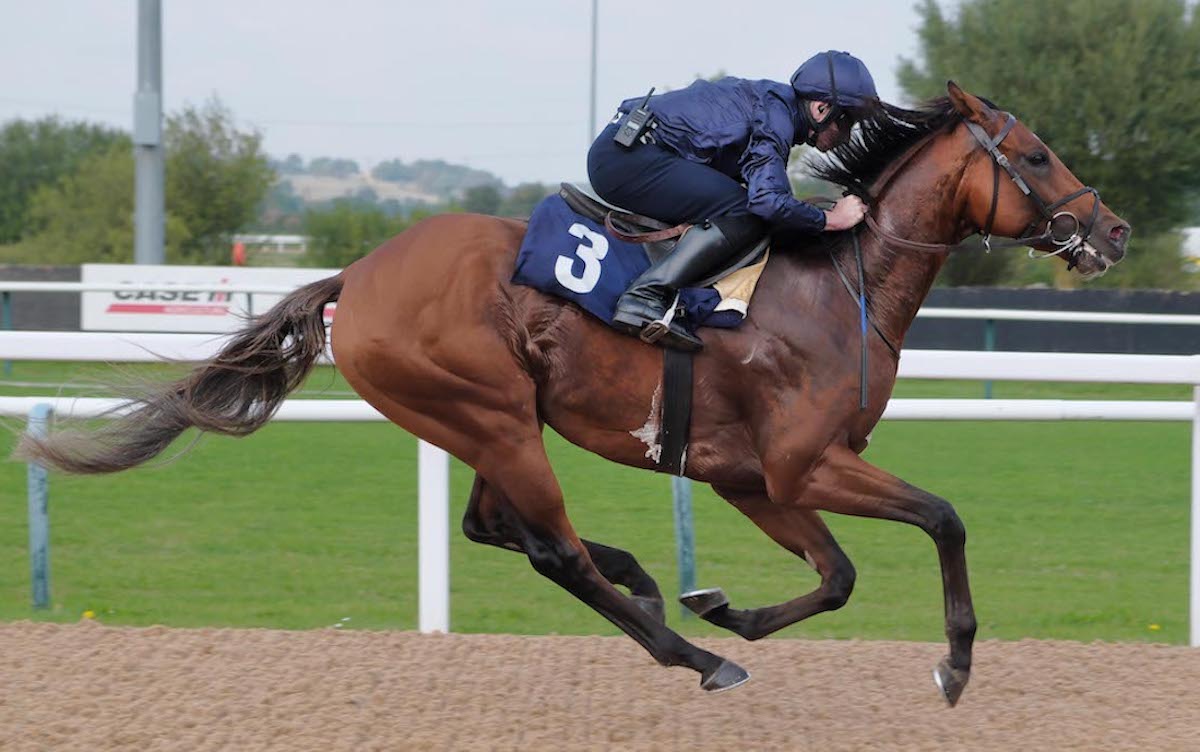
764,168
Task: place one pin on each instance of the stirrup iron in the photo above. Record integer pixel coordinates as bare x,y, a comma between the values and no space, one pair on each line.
656,330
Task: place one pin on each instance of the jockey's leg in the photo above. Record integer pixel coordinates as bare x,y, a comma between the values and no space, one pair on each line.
651,179
702,250
803,533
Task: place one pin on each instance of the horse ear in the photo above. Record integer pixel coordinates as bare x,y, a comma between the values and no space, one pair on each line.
969,106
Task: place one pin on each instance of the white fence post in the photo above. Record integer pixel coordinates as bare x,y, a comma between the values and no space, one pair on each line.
433,538
1194,623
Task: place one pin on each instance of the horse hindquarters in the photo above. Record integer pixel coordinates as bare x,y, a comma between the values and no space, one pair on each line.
423,333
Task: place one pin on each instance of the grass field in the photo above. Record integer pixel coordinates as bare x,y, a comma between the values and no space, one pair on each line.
1076,531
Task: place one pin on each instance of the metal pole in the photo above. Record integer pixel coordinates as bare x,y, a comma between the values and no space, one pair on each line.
149,213
6,315
989,344
39,513
592,110
433,538
1195,557
685,545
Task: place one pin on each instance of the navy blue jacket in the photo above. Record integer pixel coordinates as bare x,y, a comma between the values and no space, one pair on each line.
745,129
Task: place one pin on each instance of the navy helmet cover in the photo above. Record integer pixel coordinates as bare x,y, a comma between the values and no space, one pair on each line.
852,81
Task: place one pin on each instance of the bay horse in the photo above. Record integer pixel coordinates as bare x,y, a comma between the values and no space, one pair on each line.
432,333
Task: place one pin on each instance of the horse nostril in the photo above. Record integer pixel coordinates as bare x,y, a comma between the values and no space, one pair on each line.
1119,234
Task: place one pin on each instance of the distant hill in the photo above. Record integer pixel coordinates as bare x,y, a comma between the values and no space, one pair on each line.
430,181
316,189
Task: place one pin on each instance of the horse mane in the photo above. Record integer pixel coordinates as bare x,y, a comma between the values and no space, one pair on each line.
879,139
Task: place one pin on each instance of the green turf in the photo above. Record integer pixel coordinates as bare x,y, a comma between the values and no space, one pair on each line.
1076,530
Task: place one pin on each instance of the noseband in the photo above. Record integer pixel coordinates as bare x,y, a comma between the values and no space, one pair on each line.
1066,242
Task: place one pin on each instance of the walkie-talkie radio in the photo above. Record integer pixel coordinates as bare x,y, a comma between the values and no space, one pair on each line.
634,124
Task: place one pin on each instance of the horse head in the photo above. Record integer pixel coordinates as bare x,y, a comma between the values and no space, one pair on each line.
1015,186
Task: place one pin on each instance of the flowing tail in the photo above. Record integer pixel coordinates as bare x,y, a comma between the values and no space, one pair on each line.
235,393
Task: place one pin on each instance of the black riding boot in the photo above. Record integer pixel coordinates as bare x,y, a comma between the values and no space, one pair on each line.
700,252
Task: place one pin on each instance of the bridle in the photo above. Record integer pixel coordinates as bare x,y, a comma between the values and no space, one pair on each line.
1067,240
1066,243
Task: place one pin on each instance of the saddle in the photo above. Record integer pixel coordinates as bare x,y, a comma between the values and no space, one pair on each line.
657,237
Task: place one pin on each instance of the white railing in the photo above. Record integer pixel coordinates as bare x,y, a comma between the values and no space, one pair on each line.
921,364
984,314
13,286
1085,317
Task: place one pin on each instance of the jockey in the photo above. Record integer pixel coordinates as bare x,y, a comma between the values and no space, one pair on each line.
715,154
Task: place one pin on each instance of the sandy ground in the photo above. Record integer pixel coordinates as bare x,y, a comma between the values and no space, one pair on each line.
90,687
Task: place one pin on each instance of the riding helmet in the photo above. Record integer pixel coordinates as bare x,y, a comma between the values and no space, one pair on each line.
827,72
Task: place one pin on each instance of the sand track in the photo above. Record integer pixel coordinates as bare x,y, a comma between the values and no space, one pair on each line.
91,687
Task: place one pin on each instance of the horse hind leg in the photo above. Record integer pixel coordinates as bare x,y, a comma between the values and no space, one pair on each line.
803,533
493,428
621,568
471,395
520,470
488,520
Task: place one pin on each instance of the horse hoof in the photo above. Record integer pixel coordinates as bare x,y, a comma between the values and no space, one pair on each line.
652,606
726,676
951,681
703,602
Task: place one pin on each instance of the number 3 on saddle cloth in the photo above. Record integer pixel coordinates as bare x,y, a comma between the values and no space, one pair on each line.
574,257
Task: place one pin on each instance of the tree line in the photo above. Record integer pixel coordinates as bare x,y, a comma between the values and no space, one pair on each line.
1112,85
67,193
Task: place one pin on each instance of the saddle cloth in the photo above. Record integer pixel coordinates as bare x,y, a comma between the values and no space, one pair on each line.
574,257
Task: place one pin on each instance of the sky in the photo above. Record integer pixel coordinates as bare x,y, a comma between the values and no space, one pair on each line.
500,86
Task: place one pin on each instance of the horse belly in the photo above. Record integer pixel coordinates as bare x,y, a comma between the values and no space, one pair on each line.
601,392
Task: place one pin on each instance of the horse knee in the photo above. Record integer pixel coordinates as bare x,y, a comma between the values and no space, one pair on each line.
839,585
944,526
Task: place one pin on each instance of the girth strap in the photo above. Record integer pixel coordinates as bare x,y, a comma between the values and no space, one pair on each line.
676,412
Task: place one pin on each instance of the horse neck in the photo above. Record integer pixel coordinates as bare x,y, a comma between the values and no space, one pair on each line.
921,204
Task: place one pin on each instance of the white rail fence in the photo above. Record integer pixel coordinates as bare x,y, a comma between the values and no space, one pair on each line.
921,364
988,314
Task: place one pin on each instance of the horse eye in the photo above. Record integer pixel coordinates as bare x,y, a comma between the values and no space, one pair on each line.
1038,158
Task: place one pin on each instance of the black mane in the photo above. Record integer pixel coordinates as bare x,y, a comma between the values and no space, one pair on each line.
877,141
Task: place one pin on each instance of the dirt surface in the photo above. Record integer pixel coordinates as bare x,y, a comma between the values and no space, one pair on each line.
91,687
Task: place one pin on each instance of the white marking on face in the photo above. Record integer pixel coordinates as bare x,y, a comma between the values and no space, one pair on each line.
750,357
648,433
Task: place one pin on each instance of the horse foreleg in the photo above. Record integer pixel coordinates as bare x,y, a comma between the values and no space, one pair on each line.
803,533
843,482
488,519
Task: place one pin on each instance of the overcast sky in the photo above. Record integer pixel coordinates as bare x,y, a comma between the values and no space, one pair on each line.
498,85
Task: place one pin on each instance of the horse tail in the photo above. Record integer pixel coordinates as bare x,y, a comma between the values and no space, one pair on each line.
234,393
